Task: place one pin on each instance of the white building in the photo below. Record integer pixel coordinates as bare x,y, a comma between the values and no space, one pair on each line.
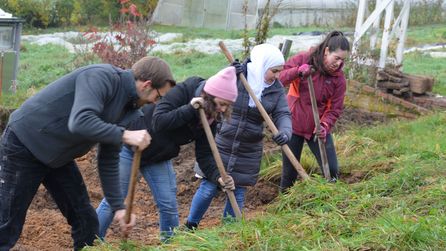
228,14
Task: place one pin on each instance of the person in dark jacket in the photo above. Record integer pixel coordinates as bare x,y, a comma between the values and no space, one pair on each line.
156,168
327,59
240,139
64,121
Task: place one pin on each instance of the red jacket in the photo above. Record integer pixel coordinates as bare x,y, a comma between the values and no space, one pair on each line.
329,91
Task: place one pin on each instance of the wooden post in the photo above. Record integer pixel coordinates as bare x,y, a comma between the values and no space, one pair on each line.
386,31
286,48
375,29
402,37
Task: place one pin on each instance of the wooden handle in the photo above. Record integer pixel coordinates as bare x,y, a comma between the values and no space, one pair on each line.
317,123
265,116
219,162
132,185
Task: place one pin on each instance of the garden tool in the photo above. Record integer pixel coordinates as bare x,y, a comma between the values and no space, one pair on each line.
317,123
218,161
132,185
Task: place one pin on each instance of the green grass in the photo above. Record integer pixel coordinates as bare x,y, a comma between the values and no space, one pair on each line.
419,35
187,64
38,66
423,64
401,208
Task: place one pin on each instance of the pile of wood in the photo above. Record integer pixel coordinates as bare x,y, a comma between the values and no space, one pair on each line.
402,84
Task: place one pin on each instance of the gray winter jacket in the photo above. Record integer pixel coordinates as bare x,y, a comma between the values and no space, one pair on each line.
69,116
240,138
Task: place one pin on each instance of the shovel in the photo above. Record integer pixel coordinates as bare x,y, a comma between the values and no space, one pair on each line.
132,185
317,123
218,161
285,148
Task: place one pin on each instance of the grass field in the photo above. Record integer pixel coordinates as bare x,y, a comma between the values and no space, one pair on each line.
399,205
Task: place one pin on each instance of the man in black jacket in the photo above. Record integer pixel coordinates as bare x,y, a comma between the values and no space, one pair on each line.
62,122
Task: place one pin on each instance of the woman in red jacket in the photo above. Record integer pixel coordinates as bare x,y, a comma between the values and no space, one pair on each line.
327,59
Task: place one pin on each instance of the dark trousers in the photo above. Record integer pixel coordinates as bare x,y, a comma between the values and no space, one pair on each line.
20,176
289,173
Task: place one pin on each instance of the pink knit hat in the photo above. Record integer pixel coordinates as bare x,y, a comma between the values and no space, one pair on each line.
223,84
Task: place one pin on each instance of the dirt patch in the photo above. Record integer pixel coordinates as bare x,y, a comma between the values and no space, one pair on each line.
46,229
352,117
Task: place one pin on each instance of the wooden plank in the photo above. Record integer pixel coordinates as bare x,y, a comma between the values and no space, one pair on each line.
386,38
382,75
393,85
420,84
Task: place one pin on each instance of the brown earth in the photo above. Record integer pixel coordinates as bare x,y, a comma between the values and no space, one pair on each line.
46,229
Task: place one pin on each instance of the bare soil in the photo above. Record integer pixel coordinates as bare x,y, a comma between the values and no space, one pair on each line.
46,229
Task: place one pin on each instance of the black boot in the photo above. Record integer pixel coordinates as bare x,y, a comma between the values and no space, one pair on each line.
191,226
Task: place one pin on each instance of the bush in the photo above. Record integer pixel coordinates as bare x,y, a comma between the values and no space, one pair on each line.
57,13
127,41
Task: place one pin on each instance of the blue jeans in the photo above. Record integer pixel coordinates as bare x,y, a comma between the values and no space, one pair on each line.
162,181
20,176
289,173
203,198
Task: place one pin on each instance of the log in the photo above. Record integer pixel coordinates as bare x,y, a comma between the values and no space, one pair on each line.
393,85
419,84
394,72
386,76
401,91
389,97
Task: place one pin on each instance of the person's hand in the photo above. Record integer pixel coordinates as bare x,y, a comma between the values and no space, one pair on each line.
120,219
239,67
304,70
197,102
322,134
138,138
280,138
228,183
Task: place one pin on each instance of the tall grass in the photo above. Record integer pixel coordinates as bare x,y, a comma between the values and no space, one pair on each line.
402,208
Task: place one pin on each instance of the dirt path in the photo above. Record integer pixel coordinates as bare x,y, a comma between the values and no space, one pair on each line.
46,229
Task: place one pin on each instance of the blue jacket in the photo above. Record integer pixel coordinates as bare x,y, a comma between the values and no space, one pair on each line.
72,114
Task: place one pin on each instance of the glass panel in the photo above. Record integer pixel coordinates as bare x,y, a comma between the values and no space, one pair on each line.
6,37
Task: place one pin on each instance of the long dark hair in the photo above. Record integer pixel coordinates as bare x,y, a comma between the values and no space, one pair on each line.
210,108
334,40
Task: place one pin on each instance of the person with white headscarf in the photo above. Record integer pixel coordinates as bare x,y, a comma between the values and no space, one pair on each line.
240,138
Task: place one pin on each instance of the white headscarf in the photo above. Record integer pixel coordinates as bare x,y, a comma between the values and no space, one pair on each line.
263,57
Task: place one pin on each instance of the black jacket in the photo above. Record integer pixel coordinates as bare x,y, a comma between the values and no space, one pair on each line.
174,112
163,145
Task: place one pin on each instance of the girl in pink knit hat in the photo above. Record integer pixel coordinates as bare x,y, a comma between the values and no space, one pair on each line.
176,111
240,139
